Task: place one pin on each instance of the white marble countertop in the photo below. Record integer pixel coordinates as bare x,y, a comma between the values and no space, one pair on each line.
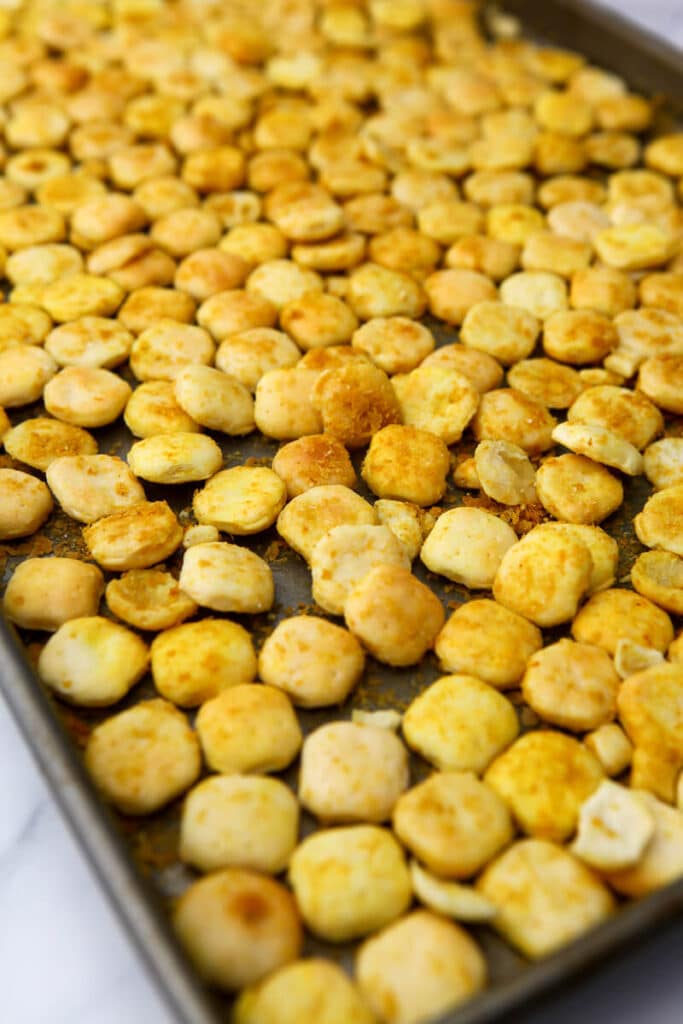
65,960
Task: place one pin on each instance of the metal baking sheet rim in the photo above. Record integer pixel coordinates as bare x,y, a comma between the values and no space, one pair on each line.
140,910
649,64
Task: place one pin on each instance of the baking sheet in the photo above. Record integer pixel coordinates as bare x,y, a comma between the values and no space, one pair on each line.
136,860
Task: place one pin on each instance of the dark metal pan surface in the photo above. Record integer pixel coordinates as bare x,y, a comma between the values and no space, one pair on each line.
136,861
